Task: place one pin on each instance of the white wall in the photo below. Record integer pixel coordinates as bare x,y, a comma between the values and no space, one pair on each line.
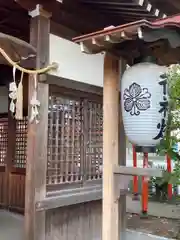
75,65
3,100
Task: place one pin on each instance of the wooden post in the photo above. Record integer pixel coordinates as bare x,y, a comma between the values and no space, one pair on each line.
122,158
37,133
110,218
169,169
135,179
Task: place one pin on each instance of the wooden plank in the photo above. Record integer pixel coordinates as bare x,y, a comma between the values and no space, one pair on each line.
37,133
83,88
149,172
110,218
67,198
70,198
122,157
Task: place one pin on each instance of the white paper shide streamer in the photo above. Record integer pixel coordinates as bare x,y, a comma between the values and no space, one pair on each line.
13,92
16,96
35,103
19,100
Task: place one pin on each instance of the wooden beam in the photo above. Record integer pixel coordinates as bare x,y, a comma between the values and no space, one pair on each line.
128,13
121,6
166,6
70,197
128,4
110,218
37,133
148,172
83,195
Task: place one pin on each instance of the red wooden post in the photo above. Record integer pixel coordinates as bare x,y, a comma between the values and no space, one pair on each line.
135,179
145,187
169,169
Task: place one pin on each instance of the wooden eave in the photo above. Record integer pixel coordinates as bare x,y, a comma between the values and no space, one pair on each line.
71,14
129,40
80,16
85,16
169,6
129,10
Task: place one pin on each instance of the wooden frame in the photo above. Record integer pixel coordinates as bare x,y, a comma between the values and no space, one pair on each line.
84,98
70,197
73,92
73,85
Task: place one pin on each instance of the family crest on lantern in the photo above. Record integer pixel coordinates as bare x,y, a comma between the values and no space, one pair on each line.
136,99
163,108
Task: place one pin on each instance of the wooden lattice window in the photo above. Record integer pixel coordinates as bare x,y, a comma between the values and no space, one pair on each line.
21,143
94,140
3,140
74,139
64,140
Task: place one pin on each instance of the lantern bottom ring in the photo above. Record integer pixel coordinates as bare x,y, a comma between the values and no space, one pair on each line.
145,149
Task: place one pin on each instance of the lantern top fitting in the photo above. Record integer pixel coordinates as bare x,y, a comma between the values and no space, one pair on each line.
159,38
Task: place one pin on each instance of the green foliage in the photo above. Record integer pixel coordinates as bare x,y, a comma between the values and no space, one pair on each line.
160,185
173,76
173,125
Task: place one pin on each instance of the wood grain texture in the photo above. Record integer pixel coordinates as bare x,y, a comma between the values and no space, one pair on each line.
37,136
2,189
149,172
78,222
17,192
122,154
110,228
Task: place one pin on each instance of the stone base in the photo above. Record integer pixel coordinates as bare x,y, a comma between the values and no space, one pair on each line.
144,215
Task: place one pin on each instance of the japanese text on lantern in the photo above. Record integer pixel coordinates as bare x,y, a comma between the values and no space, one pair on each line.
163,107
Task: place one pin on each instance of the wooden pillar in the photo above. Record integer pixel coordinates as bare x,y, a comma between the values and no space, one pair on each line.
110,217
37,133
122,159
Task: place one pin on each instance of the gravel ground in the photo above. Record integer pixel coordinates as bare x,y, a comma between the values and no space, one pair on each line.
157,226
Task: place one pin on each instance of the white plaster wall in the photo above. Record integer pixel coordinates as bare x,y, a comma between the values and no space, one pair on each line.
3,100
75,65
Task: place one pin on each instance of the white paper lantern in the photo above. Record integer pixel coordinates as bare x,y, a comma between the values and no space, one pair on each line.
144,103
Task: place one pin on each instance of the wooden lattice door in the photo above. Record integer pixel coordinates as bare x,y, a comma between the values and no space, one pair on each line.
13,145
17,174
3,156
